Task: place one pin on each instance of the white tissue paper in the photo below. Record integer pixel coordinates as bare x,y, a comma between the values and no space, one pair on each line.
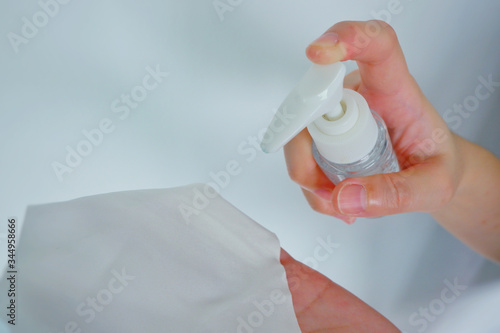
175,260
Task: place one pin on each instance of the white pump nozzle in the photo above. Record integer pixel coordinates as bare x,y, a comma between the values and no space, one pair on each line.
321,86
339,120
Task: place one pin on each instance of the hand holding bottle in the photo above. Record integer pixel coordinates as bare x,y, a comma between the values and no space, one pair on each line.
429,176
441,173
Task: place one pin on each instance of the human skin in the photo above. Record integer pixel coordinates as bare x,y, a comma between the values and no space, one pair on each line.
322,306
456,181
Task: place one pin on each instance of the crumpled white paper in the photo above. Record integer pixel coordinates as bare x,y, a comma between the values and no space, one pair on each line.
175,260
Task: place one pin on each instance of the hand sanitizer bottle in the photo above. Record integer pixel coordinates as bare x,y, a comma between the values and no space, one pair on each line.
349,140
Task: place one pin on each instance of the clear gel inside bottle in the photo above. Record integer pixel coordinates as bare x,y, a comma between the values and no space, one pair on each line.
381,159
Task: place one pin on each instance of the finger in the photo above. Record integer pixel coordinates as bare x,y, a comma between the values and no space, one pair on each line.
423,187
321,305
323,204
302,168
352,80
375,47
284,256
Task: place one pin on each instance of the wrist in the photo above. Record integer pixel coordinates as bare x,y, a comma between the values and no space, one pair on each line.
458,167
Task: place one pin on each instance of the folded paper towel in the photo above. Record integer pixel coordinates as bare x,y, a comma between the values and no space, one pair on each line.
172,260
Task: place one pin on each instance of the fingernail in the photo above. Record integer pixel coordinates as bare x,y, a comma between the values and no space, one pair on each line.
327,49
328,38
352,199
324,194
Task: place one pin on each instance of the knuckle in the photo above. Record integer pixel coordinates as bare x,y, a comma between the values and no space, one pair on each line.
297,176
302,174
398,195
385,27
293,174
317,206
382,24
391,34
387,33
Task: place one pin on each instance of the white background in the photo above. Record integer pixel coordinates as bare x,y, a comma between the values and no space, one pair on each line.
227,75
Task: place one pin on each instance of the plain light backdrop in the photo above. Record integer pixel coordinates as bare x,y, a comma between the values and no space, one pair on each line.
227,74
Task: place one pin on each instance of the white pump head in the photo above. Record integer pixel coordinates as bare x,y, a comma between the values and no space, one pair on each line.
339,120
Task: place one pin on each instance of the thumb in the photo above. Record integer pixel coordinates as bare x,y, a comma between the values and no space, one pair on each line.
423,187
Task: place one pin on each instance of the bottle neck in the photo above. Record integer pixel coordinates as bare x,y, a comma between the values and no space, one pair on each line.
351,136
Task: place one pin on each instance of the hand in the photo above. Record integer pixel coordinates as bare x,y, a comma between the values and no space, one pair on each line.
425,147
323,306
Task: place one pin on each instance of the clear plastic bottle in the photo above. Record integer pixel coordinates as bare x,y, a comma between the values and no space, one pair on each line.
381,159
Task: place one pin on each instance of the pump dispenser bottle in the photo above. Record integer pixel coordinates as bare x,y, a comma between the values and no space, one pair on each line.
349,140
